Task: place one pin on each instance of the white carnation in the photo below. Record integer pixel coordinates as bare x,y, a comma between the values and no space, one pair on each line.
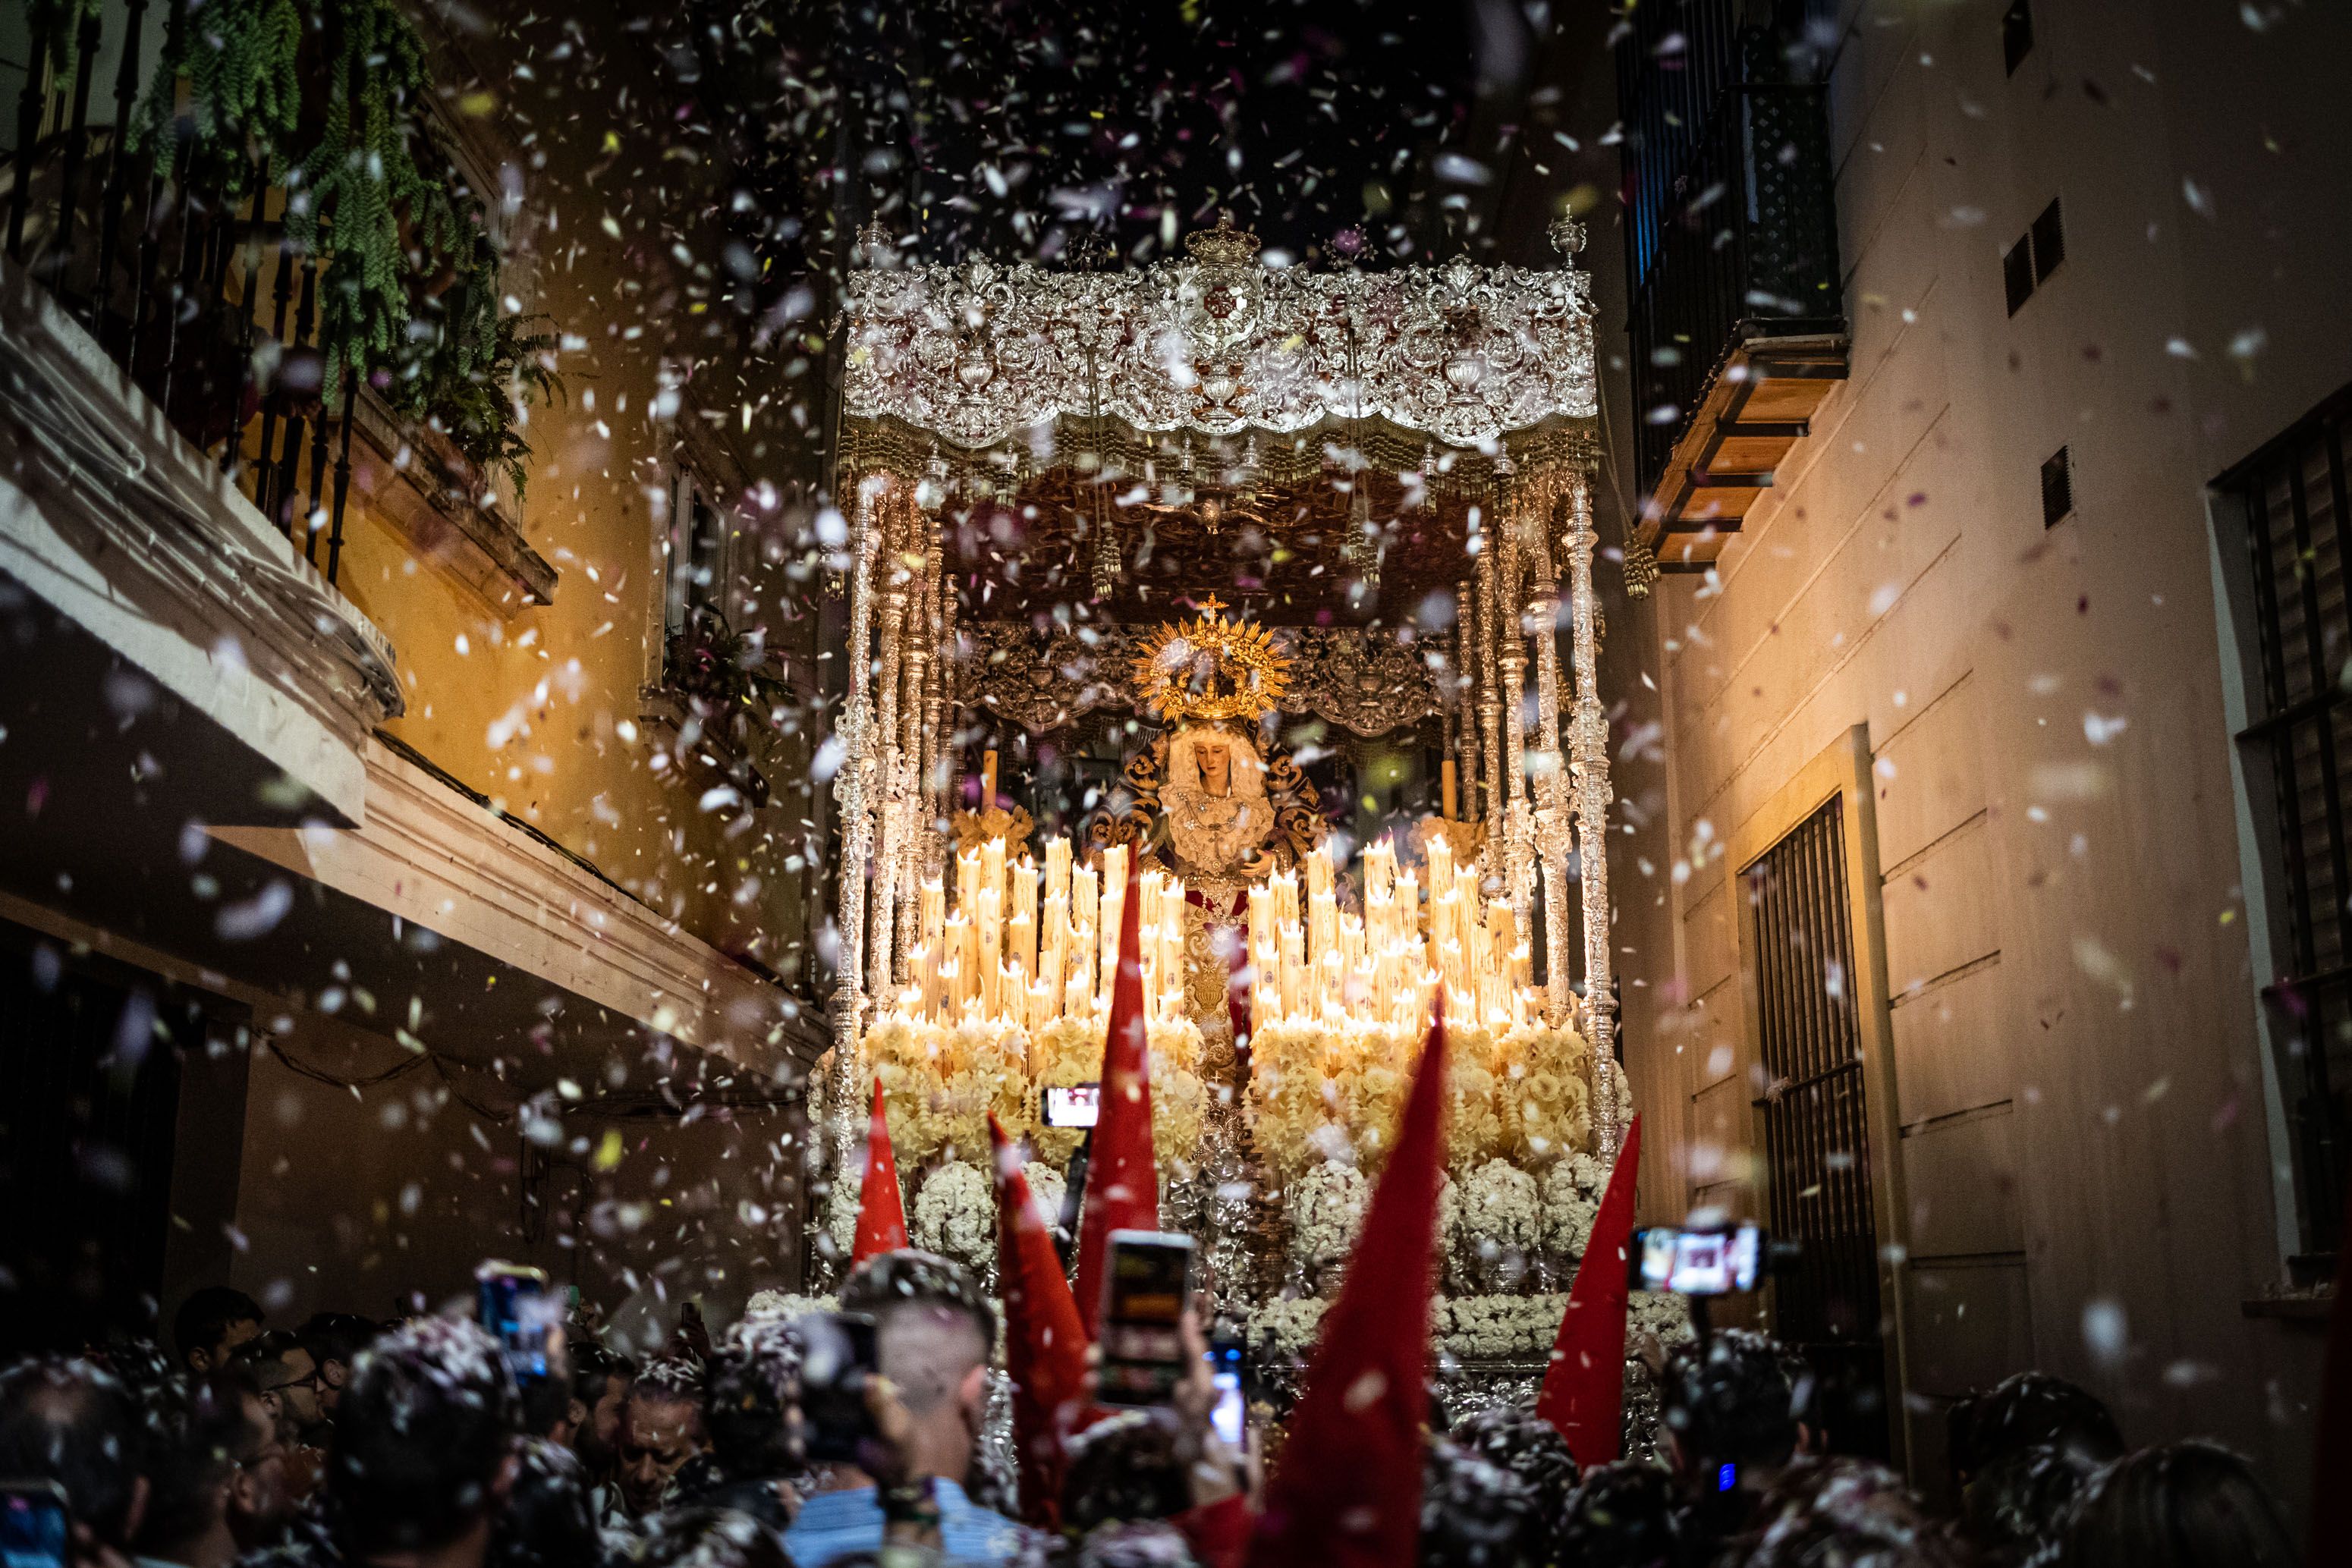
955,1215
1326,1210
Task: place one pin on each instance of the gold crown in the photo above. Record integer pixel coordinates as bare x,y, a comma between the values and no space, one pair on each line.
1210,668
1223,245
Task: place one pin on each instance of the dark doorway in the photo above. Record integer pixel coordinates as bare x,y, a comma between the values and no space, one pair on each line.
1816,1136
90,1067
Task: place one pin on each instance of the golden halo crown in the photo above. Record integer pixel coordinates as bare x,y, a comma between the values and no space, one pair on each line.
1210,668
1223,245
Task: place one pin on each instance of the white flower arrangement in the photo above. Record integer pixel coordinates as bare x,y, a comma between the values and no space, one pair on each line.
841,1211
1287,1328
1477,1328
1659,1313
1500,1224
955,1215
1326,1209
783,1304
1571,1201
1048,1188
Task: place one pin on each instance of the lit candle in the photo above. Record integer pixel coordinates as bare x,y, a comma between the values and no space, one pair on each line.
1085,913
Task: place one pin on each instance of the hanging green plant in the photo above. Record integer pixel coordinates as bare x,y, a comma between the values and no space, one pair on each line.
409,296
239,59
478,371
61,22
365,203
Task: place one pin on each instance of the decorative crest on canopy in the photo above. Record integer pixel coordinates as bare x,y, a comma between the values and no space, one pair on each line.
1219,343
1210,668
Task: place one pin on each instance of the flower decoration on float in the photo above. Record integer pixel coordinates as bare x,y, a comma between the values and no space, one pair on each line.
1210,669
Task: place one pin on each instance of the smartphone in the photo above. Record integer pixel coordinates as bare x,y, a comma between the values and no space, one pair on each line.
32,1524
1144,1292
512,1303
1077,1105
1708,1262
1231,1414
838,1351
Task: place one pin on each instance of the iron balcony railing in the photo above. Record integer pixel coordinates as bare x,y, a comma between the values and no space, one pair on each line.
197,293
1739,240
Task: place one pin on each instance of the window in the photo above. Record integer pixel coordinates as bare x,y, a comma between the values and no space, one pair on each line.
697,564
2016,35
2049,235
1816,1131
2057,487
2026,264
2017,273
2288,502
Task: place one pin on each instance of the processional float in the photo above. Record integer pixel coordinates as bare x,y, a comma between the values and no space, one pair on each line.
1216,393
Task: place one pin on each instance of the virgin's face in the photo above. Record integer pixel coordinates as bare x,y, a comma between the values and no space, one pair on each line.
1216,763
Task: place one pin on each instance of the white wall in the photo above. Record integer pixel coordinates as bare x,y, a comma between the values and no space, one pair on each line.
2081,1093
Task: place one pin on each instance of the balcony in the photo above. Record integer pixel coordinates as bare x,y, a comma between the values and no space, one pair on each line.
1738,327
189,267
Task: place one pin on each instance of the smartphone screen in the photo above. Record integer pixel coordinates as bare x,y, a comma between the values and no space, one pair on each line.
1076,1105
32,1525
838,1351
1699,1263
512,1303
1230,1417
1144,1291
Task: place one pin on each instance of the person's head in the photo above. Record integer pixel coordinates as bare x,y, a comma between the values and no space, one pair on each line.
1731,1403
2015,1504
546,1521
1824,1513
1531,1448
217,1473
661,1428
1473,1514
334,1340
68,1421
421,1457
600,1387
2184,1505
212,1322
934,1332
288,1379
1625,1514
1123,1469
2026,1410
752,1400
711,1538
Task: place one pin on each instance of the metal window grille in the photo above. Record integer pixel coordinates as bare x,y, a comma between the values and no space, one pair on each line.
1816,1138
2057,487
2290,499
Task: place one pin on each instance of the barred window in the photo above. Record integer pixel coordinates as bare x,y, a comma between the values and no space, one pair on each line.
2289,500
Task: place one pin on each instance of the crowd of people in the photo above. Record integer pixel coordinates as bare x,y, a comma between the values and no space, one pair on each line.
347,1444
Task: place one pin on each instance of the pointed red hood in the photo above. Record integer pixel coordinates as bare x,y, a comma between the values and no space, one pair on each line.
1045,1342
1584,1389
1346,1490
881,1214
1122,1178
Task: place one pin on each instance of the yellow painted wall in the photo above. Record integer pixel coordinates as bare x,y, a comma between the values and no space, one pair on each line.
543,712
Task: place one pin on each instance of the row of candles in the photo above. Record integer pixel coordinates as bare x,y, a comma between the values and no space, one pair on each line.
1333,966
1001,956
1004,957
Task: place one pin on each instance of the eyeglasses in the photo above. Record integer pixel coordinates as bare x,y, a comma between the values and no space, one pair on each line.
313,1382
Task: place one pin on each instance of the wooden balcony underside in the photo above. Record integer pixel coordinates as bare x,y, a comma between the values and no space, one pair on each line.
1758,408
